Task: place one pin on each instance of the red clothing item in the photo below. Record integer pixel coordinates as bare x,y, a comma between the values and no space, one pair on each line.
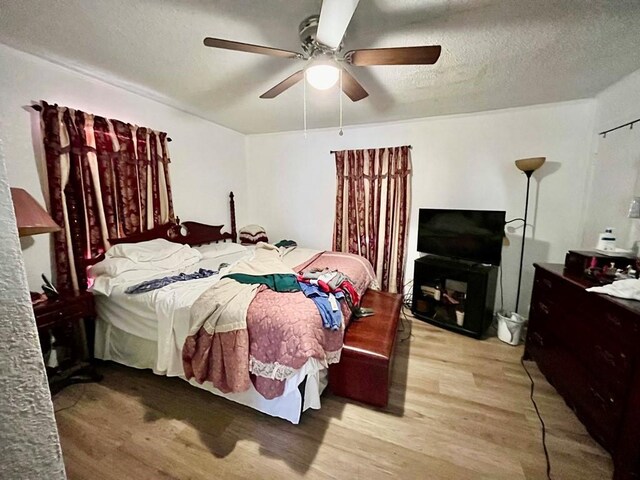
321,285
348,286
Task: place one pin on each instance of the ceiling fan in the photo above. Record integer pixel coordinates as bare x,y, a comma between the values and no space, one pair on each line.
321,39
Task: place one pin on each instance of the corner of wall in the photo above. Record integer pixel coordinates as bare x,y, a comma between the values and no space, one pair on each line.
589,164
611,161
249,201
618,103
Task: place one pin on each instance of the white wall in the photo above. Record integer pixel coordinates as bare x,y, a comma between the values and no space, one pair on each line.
463,161
619,103
615,168
208,161
29,444
287,182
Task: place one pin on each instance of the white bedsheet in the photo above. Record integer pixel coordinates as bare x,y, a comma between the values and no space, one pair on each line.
122,347
162,316
132,315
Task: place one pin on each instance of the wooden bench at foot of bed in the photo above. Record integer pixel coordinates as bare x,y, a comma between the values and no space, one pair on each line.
364,371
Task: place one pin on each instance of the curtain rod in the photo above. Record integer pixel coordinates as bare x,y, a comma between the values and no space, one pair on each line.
38,108
334,151
628,124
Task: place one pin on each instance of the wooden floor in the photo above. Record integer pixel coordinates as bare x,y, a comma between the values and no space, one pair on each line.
459,409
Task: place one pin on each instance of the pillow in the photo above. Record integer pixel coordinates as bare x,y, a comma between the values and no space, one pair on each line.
104,284
252,234
252,229
217,263
213,250
115,266
115,271
148,251
112,267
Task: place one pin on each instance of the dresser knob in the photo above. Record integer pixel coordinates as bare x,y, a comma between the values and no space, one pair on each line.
613,319
544,308
599,397
537,338
607,356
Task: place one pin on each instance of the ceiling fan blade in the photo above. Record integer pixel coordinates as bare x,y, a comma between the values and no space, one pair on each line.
248,47
335,16
394,56
352,88
288,82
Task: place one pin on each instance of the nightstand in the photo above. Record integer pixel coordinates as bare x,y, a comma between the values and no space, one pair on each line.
66,320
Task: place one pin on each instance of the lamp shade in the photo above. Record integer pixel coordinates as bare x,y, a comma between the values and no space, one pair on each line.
31,218
530,164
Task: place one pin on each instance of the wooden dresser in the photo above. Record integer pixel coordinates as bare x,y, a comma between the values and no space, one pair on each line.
588,347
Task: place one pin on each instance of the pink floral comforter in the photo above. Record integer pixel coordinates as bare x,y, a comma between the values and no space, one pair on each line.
284,330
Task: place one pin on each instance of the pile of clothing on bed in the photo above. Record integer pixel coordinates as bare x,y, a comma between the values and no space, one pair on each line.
228,314
257,305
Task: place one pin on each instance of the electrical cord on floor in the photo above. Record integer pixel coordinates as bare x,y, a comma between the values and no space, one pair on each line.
74,403
407,295
405,322
501,289
404,318
544,428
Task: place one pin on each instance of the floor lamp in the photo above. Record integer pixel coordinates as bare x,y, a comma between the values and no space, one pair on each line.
528,166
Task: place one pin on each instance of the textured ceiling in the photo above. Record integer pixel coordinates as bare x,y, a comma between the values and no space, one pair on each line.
496,53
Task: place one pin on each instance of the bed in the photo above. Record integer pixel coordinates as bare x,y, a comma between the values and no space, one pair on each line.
276,365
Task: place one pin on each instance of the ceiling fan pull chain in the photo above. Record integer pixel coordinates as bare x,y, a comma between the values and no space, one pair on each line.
340,96
304,104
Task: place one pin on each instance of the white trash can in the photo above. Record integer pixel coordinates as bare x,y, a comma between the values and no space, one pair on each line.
510,327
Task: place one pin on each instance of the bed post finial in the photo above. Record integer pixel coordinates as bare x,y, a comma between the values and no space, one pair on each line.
232,209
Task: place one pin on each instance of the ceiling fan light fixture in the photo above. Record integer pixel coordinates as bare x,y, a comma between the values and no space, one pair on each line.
321,37
322,75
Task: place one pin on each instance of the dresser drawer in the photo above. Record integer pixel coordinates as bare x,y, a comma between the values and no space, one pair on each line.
601,338
544,311
597,405
65,311
547,351
601,351
609,317
592,307
551,288
588,347
49,318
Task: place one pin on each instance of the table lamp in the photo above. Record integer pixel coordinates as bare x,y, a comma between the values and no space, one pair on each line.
32,219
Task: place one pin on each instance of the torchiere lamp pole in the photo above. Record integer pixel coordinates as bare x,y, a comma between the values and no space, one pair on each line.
528,166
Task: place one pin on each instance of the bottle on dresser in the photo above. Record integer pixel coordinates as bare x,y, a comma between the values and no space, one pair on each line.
607,240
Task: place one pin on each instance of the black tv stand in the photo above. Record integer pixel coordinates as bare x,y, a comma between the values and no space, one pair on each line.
454,294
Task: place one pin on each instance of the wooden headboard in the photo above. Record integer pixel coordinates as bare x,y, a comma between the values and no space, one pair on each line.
189,233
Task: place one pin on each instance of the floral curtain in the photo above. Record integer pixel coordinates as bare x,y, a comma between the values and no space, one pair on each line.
106,179
372,209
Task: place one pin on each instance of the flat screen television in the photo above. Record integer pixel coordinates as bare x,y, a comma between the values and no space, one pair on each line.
473,235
